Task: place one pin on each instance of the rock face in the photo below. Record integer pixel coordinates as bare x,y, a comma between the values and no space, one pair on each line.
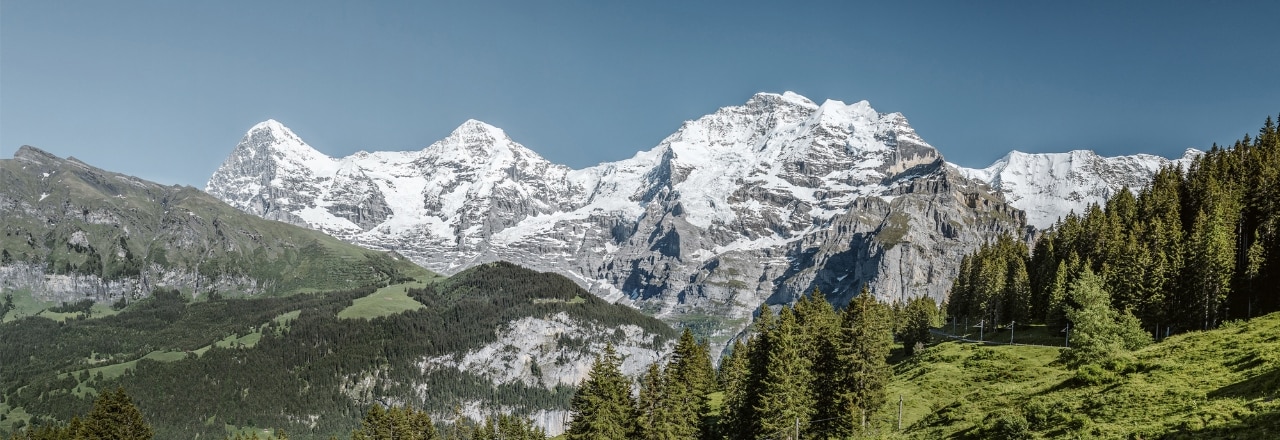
1048,186
752,204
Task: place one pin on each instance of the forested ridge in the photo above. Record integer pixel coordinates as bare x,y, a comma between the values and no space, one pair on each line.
290,363
1194,248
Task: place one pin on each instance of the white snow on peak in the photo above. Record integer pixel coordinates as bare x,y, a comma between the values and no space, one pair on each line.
478,188
1048,186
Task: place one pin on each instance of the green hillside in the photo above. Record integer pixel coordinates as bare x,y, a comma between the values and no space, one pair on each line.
310,363
1223,383
119,237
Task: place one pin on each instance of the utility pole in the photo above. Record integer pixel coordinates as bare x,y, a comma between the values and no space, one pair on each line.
1011,332
797,437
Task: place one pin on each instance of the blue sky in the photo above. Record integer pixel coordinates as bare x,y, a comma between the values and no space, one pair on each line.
164,90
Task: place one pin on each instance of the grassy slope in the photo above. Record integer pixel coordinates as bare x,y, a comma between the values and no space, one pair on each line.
1217,384
387,300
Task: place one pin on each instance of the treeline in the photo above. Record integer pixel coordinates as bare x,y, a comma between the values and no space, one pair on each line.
808,370
1188,251
313,364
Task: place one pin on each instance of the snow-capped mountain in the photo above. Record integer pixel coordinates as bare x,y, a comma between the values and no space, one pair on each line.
751,204
1048,186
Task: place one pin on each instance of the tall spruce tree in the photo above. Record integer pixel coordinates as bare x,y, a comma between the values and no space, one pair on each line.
864,347
602,408
688,382
785,397
741,419
649,404
821,324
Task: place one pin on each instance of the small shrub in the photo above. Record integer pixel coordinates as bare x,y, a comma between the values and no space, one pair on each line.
1042,413
1007,424
1094,374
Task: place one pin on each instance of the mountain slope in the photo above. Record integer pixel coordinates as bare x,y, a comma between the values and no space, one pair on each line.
752,204
72,231
1221,383
1047,186
495,337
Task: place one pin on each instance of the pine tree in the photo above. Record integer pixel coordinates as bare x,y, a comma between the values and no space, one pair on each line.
735,375
917,321
395,423
864,351
1098,331
785,391
649,403
689,380
740,420
821,324
602,408
114,417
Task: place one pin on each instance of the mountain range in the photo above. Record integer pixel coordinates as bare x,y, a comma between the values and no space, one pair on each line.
753,204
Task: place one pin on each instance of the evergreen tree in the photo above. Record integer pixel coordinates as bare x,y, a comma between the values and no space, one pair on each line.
735,375
649,404
785,389
864,351
507,427
1098,331
395,423
916,322
114,417
602,408
740,420
821,324
689,379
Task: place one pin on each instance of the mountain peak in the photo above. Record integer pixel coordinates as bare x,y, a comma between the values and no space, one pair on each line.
32,154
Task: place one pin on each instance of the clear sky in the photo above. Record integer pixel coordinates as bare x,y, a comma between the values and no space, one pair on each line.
165,89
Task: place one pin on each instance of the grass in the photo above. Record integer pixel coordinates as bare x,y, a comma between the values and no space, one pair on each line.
1223,383
13,416
117,370
385,301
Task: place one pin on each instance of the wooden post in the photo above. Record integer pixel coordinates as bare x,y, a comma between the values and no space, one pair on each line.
899,413
1011,332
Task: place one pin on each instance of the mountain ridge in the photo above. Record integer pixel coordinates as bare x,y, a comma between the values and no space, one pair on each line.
1048,186
709,223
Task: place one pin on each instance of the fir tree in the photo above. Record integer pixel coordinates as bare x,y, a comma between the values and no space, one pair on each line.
602,408
864,351
114,417
649,403
785,389
689,379
916,322
1098,331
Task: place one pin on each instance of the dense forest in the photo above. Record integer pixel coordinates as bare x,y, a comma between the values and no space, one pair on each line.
1194,248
